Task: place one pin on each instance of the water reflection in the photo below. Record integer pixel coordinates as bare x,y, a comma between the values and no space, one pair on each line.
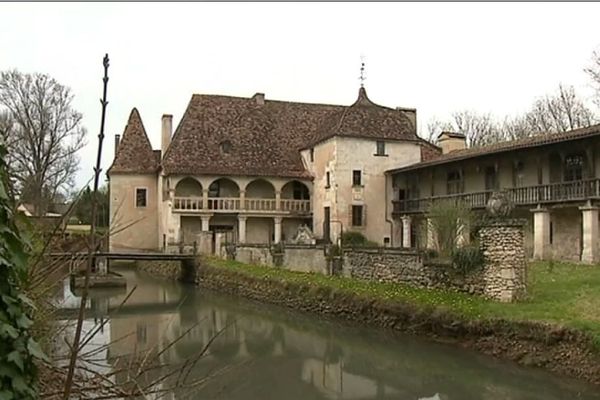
271,353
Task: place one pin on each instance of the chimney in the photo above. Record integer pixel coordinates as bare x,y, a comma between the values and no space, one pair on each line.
167,129
117,141
259,98
450,141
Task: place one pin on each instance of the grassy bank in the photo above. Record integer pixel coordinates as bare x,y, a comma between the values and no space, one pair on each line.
561,293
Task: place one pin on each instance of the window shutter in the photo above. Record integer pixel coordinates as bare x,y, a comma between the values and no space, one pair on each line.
350,218
364,215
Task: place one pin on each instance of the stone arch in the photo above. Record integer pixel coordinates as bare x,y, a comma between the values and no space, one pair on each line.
188,187
223,187
260,188
295,190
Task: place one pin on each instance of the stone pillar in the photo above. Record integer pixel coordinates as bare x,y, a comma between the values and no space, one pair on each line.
504,272
278,200
589,253
431,236
541,233
205,223
242,199
406,229
242,229
277,229
205,199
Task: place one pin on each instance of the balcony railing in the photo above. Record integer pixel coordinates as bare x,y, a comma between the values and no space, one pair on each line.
527,195
234,204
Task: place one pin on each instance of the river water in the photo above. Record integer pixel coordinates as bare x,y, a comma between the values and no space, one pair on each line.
261,352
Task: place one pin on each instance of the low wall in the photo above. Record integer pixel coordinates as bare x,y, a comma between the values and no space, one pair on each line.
402,266
296,257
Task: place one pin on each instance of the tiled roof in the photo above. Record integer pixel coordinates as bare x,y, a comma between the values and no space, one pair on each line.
366,119
134,154
224,135
511,145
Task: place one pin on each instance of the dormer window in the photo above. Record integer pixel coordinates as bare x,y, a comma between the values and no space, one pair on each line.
226,146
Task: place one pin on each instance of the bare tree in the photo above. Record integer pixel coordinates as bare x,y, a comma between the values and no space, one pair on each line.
559,112
43,133
594,73
435,126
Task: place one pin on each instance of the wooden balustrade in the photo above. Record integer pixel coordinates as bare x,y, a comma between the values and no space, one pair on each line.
527,195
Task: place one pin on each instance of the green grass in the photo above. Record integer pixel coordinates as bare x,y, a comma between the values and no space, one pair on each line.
561,293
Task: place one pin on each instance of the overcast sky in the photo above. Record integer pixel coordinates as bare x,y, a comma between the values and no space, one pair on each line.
434,57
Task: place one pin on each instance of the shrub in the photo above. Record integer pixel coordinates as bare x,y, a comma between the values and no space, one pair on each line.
356,239
448,218
467,259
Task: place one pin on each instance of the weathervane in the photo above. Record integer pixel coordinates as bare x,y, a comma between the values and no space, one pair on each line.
362,72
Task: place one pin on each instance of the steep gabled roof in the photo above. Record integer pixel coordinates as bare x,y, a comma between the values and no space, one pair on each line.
510,145
365,119
224,135
134,154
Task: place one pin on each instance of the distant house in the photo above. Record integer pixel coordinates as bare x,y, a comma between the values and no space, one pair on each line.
553,181
258,169
49,219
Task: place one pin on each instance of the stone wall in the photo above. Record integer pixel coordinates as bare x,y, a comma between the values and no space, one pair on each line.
502,277
504,274
166,269
408,267
296,257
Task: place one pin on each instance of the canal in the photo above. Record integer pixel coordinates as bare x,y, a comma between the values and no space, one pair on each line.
259,352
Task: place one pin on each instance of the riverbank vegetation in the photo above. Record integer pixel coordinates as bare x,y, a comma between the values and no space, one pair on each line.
559,293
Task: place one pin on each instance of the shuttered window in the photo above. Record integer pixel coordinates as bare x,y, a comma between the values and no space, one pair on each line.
141,198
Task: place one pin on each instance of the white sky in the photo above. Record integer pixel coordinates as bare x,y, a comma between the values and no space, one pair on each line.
437,58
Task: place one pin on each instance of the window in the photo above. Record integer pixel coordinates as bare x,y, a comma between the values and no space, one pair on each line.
454,182
574,167
491,178
357,215
356,177
312,155
141,197
327,180
300,191
380,148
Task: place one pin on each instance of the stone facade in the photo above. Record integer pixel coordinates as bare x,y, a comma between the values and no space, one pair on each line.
301,258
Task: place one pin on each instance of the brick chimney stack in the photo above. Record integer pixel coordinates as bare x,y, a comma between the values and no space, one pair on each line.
167,130
117,141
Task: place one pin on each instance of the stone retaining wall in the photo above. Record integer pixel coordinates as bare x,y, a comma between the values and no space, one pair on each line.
302,258
167,269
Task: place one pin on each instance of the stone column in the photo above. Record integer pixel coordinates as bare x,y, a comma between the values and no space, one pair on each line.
504,274
589,253
278,200
541,233
406,229
277,229
205,199
242,199
205,223
242,229
175,228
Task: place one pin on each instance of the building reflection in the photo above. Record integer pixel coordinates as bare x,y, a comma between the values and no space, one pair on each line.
267,353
